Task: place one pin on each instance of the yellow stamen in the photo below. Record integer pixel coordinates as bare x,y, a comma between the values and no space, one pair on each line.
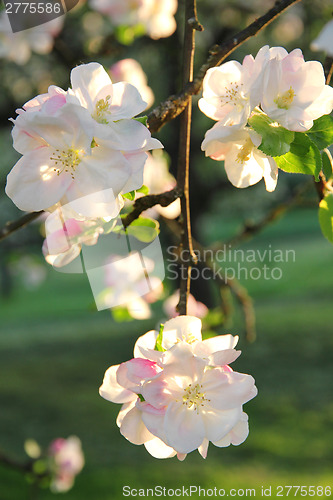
284,100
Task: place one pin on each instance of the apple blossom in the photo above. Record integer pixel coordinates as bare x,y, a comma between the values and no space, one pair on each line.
157,16
65,234
18,46
324,40
58,162
66,461
129,70
194,307
244,163
130,283
294,92
157,178
179,399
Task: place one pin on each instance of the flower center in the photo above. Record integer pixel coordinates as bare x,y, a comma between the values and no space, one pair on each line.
233,95
284,100
66,161
245,152
194,397
102,109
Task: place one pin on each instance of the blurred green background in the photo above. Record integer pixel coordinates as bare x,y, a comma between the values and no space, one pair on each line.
55,347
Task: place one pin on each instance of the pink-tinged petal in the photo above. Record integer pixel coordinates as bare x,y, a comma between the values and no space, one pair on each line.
181,366
181,328
146,341
126,407
154,420
32,183
219,422
25,141
227,390
62,259
126,101
203,448
184,428
157,393
87,81
237,435
133,428
112,391
141,369
158,449
181,456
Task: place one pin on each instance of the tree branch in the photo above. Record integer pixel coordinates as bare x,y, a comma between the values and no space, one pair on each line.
175,104
149,201
13,226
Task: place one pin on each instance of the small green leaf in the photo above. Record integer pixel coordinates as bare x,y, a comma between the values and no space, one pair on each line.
276,140
159,340
129,196
327,164
144,229
142,119
143,189
326,217
141,397
121,314
322,132
303,157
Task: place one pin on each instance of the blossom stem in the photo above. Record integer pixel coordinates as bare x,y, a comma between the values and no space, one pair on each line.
184,155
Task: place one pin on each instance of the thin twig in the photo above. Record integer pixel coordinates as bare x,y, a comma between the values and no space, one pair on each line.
184,157
175,104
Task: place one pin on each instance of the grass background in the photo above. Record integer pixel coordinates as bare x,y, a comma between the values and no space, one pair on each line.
54,349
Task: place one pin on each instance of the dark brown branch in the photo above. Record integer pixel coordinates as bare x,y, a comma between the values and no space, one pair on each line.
184,156
149,201
328,69
175,104
13,226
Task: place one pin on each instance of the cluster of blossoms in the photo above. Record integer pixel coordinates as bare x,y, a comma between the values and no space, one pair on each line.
66,461
80,147
179,393
156,16
290,91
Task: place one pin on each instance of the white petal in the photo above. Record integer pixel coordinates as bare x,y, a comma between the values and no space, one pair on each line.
158,449
184,427
133,428
146,341
227,390
32,183
185,328
87,81
219,422
242,174
136,162
126,101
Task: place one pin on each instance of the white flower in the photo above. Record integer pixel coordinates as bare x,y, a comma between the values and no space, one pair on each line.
18,46
294,91
194,307
244,163
66,460
157,178
197,403
130,71
58,163
324,40
157,16
229,93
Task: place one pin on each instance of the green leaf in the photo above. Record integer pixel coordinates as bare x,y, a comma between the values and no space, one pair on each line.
322,132
143,189
326,217
327,164
276,140
144,229
159,340
121,314
142,119
129,196
303,157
